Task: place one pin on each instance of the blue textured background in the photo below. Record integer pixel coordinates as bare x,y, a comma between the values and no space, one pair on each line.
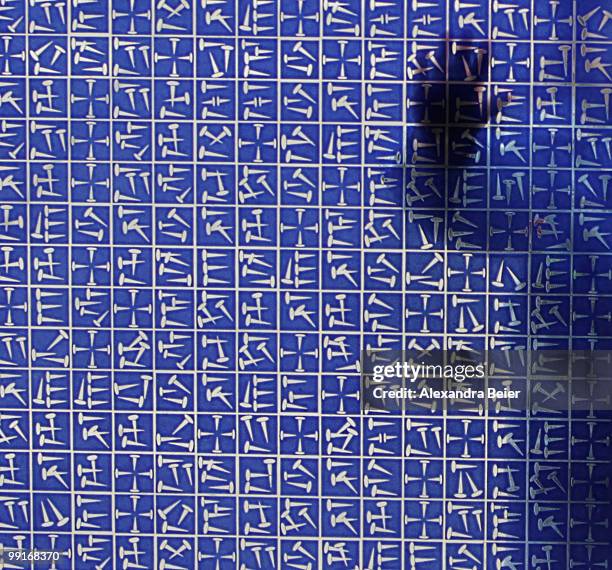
208,209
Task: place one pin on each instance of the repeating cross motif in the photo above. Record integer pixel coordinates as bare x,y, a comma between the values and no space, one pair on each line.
208,210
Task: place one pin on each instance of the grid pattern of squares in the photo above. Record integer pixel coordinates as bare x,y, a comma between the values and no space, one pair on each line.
208,209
